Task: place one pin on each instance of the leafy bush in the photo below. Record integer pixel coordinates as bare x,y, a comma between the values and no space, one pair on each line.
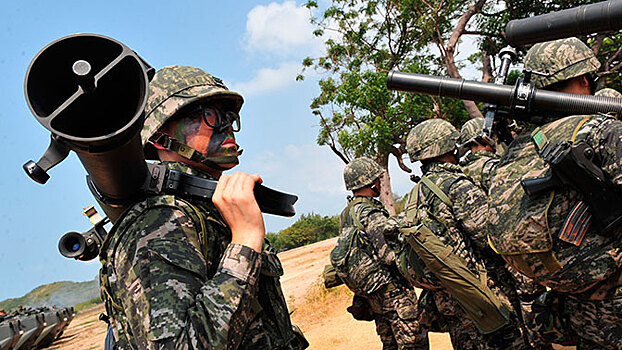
309,228
87,304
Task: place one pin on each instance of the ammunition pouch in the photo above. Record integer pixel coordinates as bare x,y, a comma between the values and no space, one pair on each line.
331,278
360,309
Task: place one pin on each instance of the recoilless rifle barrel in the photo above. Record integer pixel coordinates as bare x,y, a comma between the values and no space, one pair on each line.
525,102
600,17
90,92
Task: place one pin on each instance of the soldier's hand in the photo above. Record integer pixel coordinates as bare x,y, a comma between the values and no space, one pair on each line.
236,203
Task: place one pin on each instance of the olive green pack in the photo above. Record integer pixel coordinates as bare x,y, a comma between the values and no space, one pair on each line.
331,278
470,291
352,259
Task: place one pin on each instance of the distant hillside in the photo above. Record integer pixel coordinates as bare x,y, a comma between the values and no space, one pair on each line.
58,293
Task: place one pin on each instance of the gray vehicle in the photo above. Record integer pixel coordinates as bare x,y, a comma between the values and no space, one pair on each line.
32,325
28,328
9,334
57,321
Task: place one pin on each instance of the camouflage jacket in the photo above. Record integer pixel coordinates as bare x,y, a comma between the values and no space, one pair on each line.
479,166
525,229
171,280
362,257
463,223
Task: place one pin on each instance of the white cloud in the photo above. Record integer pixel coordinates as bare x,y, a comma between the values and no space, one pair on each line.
307,167
315,174
269,79
311,172
280,29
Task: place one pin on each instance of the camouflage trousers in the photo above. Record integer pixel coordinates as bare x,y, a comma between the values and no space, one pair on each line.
465,335
527,290
598,323
396,319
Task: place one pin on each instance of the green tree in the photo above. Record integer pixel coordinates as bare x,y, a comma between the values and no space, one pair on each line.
309,228
358,115
366,39
490,22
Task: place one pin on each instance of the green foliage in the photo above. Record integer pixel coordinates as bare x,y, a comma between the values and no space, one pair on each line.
58,293
491,22
400,202
87,304
307,229
358,115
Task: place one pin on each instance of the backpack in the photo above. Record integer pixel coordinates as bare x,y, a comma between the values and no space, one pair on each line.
353,258
331,278
423,246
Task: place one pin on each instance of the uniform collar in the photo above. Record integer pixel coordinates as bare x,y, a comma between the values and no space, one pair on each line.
440,167
187,170
473,156
368,198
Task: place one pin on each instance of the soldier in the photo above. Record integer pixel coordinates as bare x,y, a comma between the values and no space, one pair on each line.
366,263
608,92
180,273
479,163
550,235
458,207
479,158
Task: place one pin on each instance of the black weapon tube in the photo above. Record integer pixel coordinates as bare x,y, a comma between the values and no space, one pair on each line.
541,101
600,17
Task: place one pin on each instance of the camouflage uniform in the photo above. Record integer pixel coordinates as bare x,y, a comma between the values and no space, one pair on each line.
371,272
526,230
480,165
607,92
466,227
170,278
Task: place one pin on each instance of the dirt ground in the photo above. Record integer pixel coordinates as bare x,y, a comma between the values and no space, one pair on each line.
321,314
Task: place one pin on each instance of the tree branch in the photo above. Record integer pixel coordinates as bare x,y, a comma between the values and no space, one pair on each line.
487,67
398,156
482,33
332,143
452,69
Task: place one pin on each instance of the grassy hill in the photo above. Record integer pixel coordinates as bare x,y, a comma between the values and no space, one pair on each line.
58,293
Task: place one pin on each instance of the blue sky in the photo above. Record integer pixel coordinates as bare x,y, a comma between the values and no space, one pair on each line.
255,46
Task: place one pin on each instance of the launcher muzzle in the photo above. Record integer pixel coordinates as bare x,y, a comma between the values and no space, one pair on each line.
90,92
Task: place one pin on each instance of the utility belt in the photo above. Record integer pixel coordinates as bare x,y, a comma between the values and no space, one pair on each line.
573,164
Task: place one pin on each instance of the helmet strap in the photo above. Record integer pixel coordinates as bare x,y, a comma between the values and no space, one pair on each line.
167,142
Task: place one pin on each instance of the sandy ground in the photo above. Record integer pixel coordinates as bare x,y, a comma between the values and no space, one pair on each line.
85,332
321,314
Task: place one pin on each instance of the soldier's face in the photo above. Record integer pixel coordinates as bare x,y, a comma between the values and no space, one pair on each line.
376,187
196,130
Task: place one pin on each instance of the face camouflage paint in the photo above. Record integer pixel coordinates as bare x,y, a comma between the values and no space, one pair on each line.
205,131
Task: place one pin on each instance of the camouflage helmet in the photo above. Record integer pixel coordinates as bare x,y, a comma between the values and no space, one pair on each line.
175,87
470,130
559,60
607,92
361,172
431,138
